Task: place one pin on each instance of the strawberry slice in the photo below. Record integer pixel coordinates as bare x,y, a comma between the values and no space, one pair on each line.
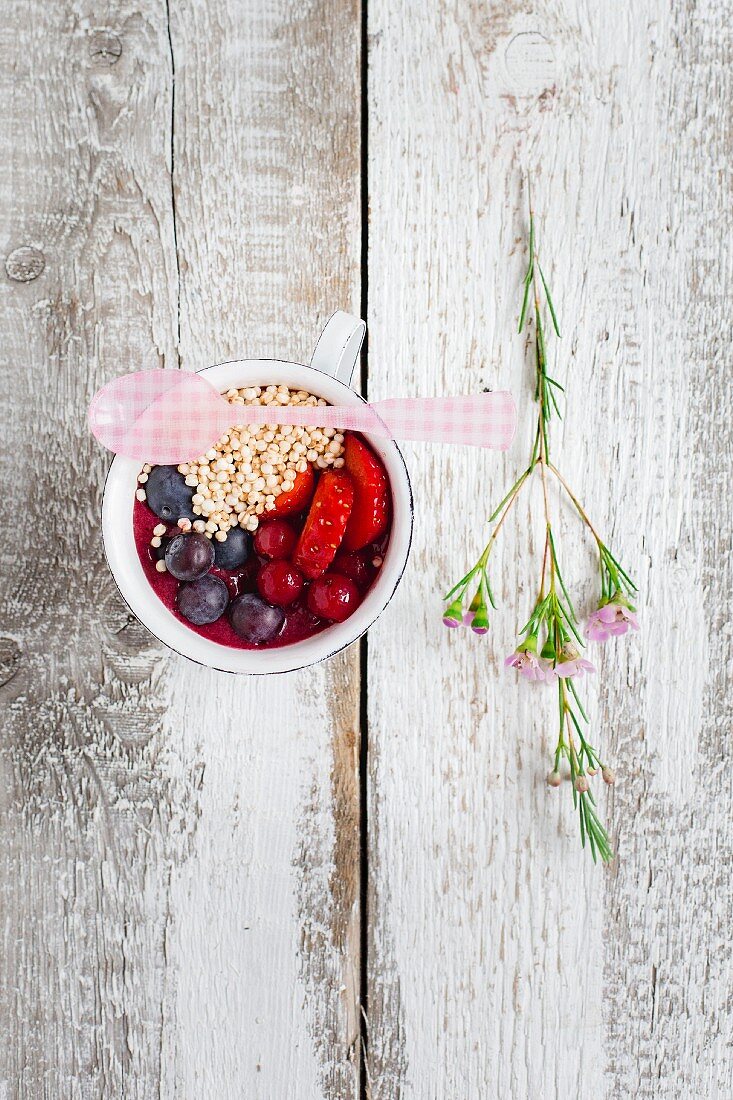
298,497
370,514
325,523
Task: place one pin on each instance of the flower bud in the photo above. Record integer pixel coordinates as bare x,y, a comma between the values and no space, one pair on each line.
608,776
592,771
477,602
480,623
453,614
554,779
581,784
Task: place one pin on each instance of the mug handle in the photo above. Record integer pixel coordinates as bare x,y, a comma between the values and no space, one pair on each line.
338,347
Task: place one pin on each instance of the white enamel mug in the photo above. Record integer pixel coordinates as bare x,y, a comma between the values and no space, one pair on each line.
328,376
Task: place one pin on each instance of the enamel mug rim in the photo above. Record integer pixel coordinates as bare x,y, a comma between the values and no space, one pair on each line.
124,564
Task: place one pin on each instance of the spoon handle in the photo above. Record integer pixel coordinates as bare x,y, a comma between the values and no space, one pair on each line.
479,420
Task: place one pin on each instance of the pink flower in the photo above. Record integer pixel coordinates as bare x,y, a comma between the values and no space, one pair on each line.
529,665
609,620
571,663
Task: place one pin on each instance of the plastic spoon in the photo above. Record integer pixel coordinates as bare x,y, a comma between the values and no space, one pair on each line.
167,416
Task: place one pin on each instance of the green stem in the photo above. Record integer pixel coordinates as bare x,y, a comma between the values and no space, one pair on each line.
576,502
515,487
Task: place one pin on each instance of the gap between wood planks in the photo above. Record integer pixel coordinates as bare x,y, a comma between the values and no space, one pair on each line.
364,1090
173,186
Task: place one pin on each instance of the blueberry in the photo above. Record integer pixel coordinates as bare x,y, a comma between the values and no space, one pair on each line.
188,557
234,551
168,495
158,552
254,620
204,600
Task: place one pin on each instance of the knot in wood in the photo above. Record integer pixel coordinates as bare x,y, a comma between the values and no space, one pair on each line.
24,264
105,48
10,655
531,65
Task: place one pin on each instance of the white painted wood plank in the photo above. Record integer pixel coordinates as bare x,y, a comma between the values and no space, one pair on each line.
501,962
180,849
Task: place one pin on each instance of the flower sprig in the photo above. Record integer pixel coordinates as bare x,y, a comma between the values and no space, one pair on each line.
551,647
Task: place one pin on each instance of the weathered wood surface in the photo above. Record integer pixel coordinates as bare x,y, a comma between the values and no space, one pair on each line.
501,963
180,887
179,895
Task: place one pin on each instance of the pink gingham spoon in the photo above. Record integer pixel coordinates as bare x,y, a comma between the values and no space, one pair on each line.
168,416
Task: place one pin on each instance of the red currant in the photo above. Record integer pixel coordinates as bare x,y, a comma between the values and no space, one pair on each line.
280,583
354,565
275,539
333,597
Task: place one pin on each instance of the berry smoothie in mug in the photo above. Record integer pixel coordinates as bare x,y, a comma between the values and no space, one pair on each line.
281,544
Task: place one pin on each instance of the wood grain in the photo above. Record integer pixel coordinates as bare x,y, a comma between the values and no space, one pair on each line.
96,799
501,963
179,895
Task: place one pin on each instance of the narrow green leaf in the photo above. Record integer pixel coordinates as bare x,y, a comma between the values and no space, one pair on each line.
571,625
560,578
463,581
525,301
592,843
515,488
486,586
552,398
541,357
546,439
575,721
620,568
549,302
577,698
529,277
